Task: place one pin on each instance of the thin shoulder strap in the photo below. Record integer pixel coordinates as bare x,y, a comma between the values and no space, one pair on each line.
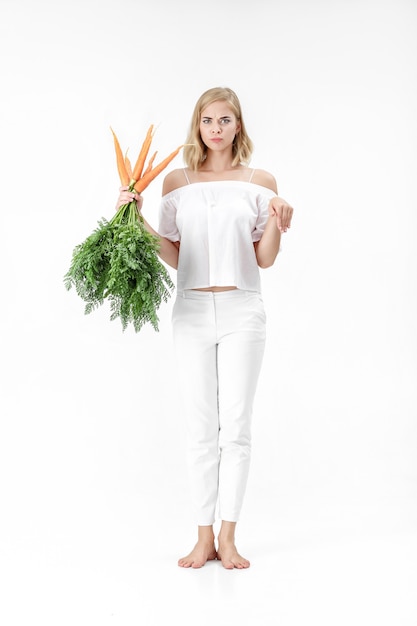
251,176
186,176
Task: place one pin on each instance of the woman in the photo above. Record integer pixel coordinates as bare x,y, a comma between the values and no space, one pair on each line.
219,222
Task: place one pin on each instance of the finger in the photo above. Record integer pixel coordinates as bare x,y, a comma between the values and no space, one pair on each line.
127,196
124,198
279,222
286,221
138,199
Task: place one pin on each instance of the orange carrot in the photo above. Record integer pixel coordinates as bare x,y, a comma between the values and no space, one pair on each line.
150,163
137,170
128,167
148,178
121,167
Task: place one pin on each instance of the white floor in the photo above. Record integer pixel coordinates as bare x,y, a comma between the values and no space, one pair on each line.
102,558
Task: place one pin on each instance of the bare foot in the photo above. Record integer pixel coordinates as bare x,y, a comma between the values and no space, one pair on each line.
203,551
230,557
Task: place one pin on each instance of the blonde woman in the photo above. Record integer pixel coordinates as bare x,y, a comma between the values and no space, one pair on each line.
220,221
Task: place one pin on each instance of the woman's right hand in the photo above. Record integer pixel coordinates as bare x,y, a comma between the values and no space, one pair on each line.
127,196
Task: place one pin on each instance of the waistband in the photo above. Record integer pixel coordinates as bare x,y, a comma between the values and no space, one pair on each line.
194,294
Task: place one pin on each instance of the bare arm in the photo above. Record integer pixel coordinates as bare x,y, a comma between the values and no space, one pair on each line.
267,248
280,215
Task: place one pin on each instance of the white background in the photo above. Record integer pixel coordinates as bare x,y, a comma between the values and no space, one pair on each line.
93,503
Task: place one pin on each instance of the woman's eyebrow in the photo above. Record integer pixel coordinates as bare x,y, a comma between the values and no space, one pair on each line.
223,117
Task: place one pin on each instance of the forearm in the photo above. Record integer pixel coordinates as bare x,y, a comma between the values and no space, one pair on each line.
267,247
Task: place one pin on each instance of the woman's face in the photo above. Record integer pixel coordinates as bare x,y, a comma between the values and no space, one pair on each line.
218,125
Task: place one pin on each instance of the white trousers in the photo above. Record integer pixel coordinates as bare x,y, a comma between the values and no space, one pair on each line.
219,341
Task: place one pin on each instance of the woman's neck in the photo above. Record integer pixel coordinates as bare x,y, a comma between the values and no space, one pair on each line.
217,162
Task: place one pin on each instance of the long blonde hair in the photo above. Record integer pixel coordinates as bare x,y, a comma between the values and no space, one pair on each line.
195,154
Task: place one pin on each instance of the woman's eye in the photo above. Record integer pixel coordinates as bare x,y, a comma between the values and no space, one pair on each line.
225,120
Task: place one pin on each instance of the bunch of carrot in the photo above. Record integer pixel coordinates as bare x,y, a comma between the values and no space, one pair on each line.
134,177
119,260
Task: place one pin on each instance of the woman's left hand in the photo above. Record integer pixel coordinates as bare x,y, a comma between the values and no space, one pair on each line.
283,212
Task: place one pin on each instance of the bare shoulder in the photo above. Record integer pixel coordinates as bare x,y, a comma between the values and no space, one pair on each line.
265,179
173,180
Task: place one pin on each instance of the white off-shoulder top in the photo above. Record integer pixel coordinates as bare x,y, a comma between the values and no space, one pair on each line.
217,224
